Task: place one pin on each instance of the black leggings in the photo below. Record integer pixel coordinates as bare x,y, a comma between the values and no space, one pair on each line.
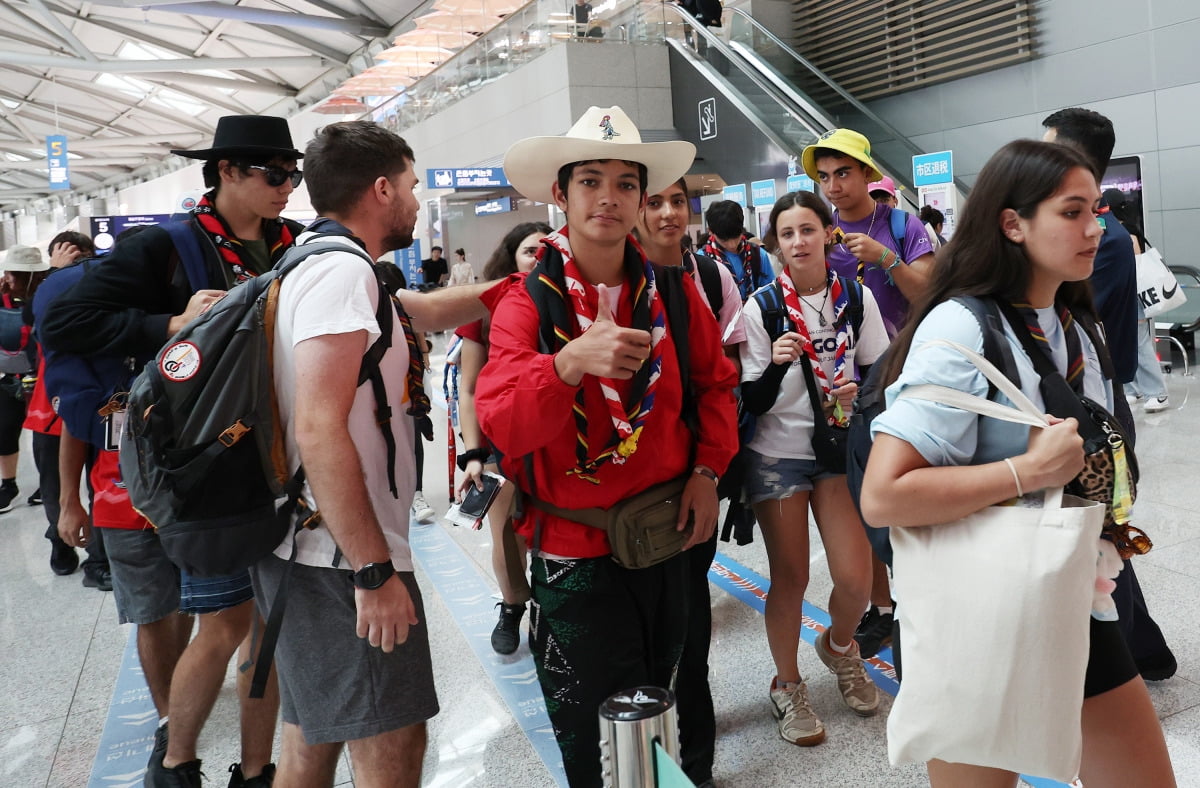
12,416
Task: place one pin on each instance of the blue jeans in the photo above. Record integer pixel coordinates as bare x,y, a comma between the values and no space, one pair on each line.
1148,381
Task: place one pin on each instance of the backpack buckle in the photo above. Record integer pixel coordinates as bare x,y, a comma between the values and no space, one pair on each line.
233,434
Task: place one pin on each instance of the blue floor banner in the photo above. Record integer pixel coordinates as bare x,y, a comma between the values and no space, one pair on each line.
469,597
129,730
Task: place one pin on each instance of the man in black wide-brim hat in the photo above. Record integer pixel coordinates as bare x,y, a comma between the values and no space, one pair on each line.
151,285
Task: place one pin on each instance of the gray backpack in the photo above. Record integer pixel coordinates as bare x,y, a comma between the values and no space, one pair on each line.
202,453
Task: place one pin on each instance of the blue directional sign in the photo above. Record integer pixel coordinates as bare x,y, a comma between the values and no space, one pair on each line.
930,169
763,192
56,161
737,193
409,260
800,183
466,178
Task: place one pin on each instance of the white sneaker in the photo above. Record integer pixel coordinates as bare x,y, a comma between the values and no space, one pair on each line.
1157,404
422,512
1134,399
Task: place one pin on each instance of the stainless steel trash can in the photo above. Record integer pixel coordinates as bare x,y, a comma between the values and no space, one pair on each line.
630,722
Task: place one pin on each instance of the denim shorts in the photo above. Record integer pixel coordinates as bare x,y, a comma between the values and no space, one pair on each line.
776,478
199,595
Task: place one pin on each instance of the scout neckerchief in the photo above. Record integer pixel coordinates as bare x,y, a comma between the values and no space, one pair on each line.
278,236
558,273
1074,374
791,301
745,250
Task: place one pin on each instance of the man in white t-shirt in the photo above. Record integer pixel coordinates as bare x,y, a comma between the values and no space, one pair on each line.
353,651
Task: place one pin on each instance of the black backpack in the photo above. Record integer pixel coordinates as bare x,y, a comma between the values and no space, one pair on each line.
870,403
202,453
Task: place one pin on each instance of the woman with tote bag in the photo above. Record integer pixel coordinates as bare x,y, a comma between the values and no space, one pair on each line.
988,549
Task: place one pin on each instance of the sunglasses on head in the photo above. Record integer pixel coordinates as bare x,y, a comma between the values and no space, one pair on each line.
277,176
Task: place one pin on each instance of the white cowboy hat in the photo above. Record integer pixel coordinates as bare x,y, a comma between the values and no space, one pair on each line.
24,258
532,164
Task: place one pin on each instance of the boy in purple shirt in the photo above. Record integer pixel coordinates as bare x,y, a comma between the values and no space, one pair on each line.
866,247
893,265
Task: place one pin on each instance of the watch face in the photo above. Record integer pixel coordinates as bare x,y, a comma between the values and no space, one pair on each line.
372,576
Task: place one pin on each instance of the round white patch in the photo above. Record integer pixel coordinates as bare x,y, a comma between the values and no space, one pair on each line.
180,362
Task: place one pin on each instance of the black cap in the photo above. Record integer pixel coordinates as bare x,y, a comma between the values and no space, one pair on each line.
247,135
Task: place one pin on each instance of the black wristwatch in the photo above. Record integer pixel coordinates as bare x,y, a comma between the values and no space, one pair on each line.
372,576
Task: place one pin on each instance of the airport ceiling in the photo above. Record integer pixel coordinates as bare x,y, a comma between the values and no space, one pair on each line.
128,80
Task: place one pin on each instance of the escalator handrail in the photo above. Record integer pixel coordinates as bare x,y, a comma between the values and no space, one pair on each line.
833,85
821,75
788,101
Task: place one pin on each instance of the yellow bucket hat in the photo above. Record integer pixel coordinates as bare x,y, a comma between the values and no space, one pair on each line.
846,141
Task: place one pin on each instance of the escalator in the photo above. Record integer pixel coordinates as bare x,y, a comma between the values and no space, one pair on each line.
750,102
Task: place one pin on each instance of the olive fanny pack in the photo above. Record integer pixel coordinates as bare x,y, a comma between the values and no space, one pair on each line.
641,529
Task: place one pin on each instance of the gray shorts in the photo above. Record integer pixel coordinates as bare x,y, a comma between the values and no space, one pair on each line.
145,582
776,478
147,587
332,683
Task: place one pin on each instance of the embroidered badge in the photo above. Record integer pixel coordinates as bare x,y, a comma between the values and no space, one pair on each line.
180,362
609,132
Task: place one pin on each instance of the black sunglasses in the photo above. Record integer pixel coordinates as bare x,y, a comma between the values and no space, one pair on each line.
277,176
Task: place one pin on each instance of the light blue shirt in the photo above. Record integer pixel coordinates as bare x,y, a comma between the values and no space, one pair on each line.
945,435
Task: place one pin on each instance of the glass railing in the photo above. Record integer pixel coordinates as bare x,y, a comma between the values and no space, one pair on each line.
785,91
522,36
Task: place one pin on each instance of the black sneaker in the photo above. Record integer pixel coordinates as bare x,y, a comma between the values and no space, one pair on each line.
36,498
507,634
63,558
7,496
264,779
874,632
158,751
185,775
99,578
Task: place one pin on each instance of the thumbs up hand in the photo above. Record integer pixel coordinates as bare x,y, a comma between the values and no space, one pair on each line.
605,350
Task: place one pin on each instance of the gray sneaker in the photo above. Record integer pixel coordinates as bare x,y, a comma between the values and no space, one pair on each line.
858,691
798,724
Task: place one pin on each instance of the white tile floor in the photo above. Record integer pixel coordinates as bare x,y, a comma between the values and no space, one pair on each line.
63,647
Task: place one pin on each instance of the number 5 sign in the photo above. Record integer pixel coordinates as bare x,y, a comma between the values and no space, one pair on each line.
56,161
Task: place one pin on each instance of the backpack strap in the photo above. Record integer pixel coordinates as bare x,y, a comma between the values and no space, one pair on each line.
668,280
710,280
770,303
899,224
996,348
854,305
191,256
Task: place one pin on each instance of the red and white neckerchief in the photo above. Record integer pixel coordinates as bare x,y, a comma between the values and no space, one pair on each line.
228,244
584,303
791,301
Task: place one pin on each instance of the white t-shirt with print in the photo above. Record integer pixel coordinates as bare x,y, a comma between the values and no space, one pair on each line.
786,430
336,293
